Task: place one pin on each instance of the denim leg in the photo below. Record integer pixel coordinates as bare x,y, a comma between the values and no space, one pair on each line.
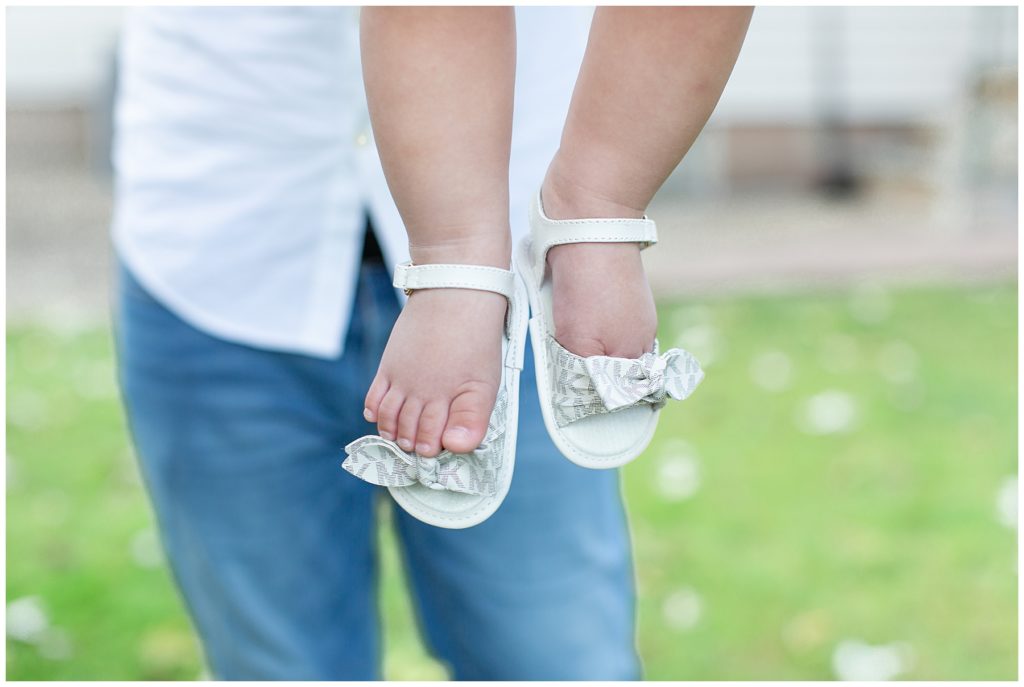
271,543
543,589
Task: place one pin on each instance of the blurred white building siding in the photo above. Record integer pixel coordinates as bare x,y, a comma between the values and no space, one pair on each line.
884,64
891,64
59,56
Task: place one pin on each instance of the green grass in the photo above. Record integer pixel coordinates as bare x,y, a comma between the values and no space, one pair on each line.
760,544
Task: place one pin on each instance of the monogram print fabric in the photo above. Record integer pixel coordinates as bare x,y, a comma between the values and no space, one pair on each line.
602,384
382,462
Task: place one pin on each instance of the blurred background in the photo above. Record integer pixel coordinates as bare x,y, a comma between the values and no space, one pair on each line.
839,249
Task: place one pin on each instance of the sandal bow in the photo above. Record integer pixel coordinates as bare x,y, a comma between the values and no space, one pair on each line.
382,462
623,382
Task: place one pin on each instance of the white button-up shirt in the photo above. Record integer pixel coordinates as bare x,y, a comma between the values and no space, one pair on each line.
245,165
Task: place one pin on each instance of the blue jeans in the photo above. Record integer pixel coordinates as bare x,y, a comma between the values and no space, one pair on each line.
273,545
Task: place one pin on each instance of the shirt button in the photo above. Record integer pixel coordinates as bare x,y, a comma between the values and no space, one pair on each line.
362,139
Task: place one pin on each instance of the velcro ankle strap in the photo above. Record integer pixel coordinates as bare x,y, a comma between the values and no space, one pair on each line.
411,277
547,232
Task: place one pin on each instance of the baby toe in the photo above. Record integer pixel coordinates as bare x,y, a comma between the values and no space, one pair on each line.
467,419
374,396
432,422
387,414
408,422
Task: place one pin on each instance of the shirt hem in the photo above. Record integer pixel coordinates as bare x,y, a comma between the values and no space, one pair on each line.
212,324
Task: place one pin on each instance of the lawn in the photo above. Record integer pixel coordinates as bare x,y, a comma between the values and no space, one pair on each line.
838,499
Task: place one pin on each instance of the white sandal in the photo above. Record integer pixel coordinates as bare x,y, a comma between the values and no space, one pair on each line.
455,490
600,411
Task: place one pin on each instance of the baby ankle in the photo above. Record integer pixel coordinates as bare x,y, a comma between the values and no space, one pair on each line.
565,198
493,250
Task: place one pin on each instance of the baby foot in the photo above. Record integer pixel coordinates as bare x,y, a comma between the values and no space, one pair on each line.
601,301
439,375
